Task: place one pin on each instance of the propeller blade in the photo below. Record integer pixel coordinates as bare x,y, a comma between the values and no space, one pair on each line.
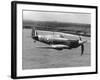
82,49
80,38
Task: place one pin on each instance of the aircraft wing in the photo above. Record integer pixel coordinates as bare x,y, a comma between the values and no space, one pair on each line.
43,47
58,47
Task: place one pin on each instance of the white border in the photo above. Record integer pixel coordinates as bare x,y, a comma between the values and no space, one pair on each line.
35,72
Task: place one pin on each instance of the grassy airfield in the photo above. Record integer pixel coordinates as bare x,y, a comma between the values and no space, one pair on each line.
36,58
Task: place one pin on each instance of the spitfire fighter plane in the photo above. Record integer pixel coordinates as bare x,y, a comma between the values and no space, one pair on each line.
58,43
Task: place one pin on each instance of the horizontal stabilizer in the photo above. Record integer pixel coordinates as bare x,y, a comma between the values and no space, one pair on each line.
45,47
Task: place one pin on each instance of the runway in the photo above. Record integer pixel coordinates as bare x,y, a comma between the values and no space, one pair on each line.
35,58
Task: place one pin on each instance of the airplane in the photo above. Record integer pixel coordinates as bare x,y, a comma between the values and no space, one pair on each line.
58,43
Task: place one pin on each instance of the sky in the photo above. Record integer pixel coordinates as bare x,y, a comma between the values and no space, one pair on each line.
57,16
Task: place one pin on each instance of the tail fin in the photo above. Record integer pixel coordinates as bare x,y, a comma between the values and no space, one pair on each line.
34,32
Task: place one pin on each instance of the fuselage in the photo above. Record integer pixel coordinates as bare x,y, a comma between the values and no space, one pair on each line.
57,40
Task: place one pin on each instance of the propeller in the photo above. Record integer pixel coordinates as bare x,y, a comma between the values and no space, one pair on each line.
82,45
82,49
80,38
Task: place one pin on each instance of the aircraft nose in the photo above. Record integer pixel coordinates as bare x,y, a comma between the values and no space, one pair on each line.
81,42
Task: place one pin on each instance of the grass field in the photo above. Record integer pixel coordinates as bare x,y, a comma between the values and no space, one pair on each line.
35,58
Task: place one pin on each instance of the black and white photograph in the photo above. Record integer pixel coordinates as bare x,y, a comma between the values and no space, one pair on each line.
54,40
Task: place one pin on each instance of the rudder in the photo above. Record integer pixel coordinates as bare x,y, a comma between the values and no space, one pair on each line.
34,33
